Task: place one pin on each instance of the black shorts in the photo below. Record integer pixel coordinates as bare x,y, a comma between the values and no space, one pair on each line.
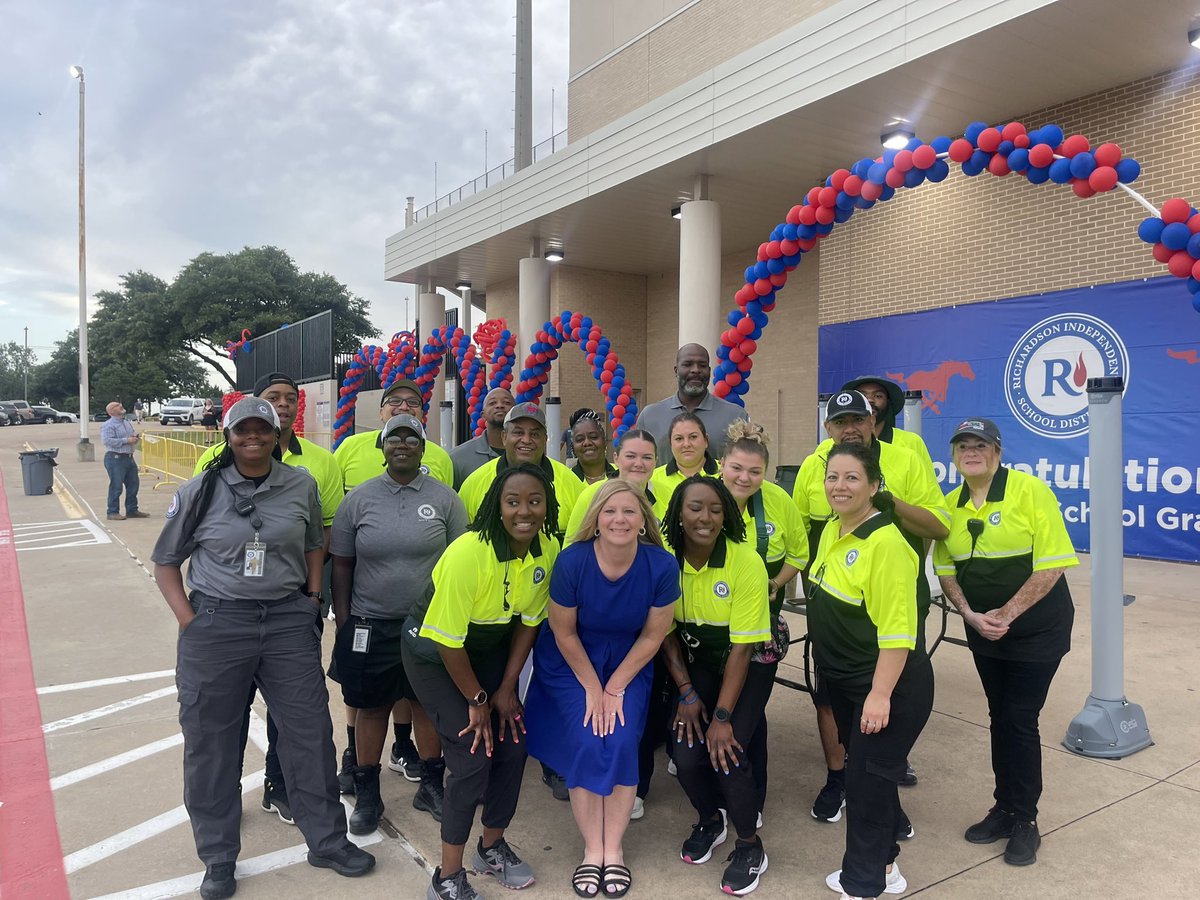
376,677
820,689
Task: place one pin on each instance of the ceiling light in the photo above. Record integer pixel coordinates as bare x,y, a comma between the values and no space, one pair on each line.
677,212
554,254
462,286
896,138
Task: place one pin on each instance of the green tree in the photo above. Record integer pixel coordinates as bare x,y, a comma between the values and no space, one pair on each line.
57,379
14,360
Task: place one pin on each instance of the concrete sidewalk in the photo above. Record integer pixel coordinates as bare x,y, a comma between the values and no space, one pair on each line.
1124,828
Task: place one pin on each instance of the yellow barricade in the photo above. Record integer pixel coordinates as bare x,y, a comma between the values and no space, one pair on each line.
172,453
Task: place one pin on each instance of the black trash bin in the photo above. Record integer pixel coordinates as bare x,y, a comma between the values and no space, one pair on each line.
785,477
37,471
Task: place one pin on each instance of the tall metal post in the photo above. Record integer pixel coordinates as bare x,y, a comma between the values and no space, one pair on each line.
447,422
913,401
822,405
523,99
25,364
86,450
1108,726
553,426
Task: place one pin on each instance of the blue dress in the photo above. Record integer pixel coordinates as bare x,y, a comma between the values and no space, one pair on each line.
611,615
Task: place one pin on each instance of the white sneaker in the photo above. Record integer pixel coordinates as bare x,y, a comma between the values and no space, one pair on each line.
671,770
758,821
639,808
894,882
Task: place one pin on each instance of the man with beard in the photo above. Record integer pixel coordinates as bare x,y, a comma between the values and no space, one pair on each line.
693,373
478,451
360,456
887,400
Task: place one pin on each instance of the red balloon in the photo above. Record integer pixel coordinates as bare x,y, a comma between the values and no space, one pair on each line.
1012,131
793,216
591,359
789,248
808,215
610,364
894,178
540,358
779,279
576,320
774,251
903,161
762,252
825,214
767,307
575,334
1180,264
762,287
733,379
747,347
1082,189
736,355
1107,155
501,360
590,346
988,140
827,196
1021,140
805,244
1103,179
1041,155
1075,144
924,157
729,337
745,365
998,165
1196,270
853,185
838,179
813,195
873,191
721,389
1162,253
746,325
606,376
1175,210
960,151
1193,223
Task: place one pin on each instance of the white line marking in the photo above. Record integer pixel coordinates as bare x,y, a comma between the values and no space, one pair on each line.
104,682
114,762
102,711
143,831
68,533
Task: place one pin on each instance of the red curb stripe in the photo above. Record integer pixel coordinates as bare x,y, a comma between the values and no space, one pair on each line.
31,860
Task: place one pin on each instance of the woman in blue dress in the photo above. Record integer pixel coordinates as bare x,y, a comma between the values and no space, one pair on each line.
613,594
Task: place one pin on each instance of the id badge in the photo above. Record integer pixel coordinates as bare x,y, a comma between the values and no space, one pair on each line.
362,639
256,559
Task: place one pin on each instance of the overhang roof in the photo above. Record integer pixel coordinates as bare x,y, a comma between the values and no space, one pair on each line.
769,123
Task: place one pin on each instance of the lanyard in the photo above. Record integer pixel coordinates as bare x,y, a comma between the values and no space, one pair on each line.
758,510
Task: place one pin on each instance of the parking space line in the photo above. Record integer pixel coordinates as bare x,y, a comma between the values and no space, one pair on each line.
104,682
114,762
108,710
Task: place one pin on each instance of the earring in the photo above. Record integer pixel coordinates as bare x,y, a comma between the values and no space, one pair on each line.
596,533
642,531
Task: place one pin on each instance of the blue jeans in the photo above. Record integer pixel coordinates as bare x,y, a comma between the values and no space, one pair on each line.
122,472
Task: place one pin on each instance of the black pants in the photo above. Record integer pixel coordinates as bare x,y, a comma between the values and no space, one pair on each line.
471,778
706,788
1016,692
658,724
875,766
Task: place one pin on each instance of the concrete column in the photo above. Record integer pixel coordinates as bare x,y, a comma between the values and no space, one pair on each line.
431,314
523,105
447,424
533,304
553,426
464,315
700,274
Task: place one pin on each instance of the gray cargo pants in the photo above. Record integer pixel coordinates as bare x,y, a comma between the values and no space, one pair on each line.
229,645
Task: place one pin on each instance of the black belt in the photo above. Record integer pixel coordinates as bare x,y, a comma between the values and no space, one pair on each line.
116,453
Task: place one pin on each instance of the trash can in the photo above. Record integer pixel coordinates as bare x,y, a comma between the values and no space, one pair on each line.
37,470
785,477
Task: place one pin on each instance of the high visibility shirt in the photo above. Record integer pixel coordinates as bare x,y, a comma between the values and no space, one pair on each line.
360,457
863,598
566,486
666,478
910,441
480,591
783,529
1022,532
723,602
584,500
308,457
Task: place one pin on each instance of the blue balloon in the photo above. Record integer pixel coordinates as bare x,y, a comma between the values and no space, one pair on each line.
862,167
1194,286
844,201
741,387
1060,171
505,335
760,319
889,157
913,143
971,167
1038,174
1175,236
1005,148
761,269
610,405
1018,160
806,232
755,334
750,275
1128,170
888,194
913,178
629,418
1193,246
1035,137
734,317
1050,134
823,229
863,203
792,261
941,143
777,233
877,174
938,171
789,231
722,352
1196,302
1151,229
1083,164
829,180
980,158
753,308
768,299
974,130
843,215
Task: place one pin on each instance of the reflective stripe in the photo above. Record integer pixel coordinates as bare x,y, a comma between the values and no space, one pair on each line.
999,554
830,589
895,637
459,638
748,633
1046,559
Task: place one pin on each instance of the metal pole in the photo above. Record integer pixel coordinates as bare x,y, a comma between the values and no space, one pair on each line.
1109,726
26,363
86,451
523,106
913,401
553,426
447,423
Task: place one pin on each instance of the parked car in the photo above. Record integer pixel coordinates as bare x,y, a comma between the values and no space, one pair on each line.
44,414
10,410
182,411
4,419
24,409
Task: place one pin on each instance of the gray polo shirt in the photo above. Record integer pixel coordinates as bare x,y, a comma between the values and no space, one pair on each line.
716,414
289,507
469,456
396,534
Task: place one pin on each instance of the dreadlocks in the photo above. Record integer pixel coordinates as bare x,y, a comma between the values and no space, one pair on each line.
488,523
734,527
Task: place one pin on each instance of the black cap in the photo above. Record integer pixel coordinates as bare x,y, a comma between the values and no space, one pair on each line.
274,378
895,394
847,403
984,429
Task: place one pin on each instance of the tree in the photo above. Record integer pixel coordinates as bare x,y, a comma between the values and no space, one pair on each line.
57,380
215,297
14,361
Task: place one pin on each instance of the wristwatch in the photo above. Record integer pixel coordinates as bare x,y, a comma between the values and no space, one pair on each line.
313,595
479,699
721,714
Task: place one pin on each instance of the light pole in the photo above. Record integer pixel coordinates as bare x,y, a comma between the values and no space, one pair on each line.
25,360
87,451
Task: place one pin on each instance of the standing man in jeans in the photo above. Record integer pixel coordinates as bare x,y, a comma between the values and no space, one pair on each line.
119,441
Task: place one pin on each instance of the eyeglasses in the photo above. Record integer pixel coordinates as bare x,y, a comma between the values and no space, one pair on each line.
411,441
409,402
812,582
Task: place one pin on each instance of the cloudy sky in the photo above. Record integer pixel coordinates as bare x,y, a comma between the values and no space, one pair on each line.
216,124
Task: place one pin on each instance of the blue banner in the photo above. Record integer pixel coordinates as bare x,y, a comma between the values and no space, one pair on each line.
1025,362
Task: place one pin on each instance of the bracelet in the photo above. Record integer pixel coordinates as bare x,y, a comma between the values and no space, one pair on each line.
686,702
620,693
682,686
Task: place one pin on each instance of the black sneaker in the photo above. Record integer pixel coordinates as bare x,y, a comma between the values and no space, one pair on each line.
218,881
746,863
904,828
705,836
275,800
406,761
350,861
456,887
1022,844
430,797
832,800
346,772
996,824
557,785
910,776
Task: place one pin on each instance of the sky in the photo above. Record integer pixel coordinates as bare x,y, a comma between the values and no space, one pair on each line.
213,125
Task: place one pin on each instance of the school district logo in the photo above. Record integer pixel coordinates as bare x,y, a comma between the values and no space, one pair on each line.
721,589
994,518
173,509
770,529
851,557
424,469
1045,378
539,575
425,511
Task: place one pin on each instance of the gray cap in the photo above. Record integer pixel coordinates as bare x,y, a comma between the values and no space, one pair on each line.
251,408
395,423
848,403
526,411
984,429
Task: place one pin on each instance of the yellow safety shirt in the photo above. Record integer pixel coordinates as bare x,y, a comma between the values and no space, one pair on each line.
910,441
666,478
785,536
360,457
723,602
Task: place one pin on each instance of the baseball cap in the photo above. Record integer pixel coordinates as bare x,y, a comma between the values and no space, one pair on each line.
847,403
273,378
395,423
526,411
401,383
895,394
251,408
984,429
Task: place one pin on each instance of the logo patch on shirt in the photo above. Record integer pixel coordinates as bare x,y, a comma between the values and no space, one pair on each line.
424,469
770,528
851,557
426,512
173,509
721,589
539,575
994,518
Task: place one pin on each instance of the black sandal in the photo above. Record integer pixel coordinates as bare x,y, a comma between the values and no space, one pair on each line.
617,880
587,876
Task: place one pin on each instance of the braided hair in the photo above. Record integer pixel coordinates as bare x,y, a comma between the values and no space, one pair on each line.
733,527
585,412
489,524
